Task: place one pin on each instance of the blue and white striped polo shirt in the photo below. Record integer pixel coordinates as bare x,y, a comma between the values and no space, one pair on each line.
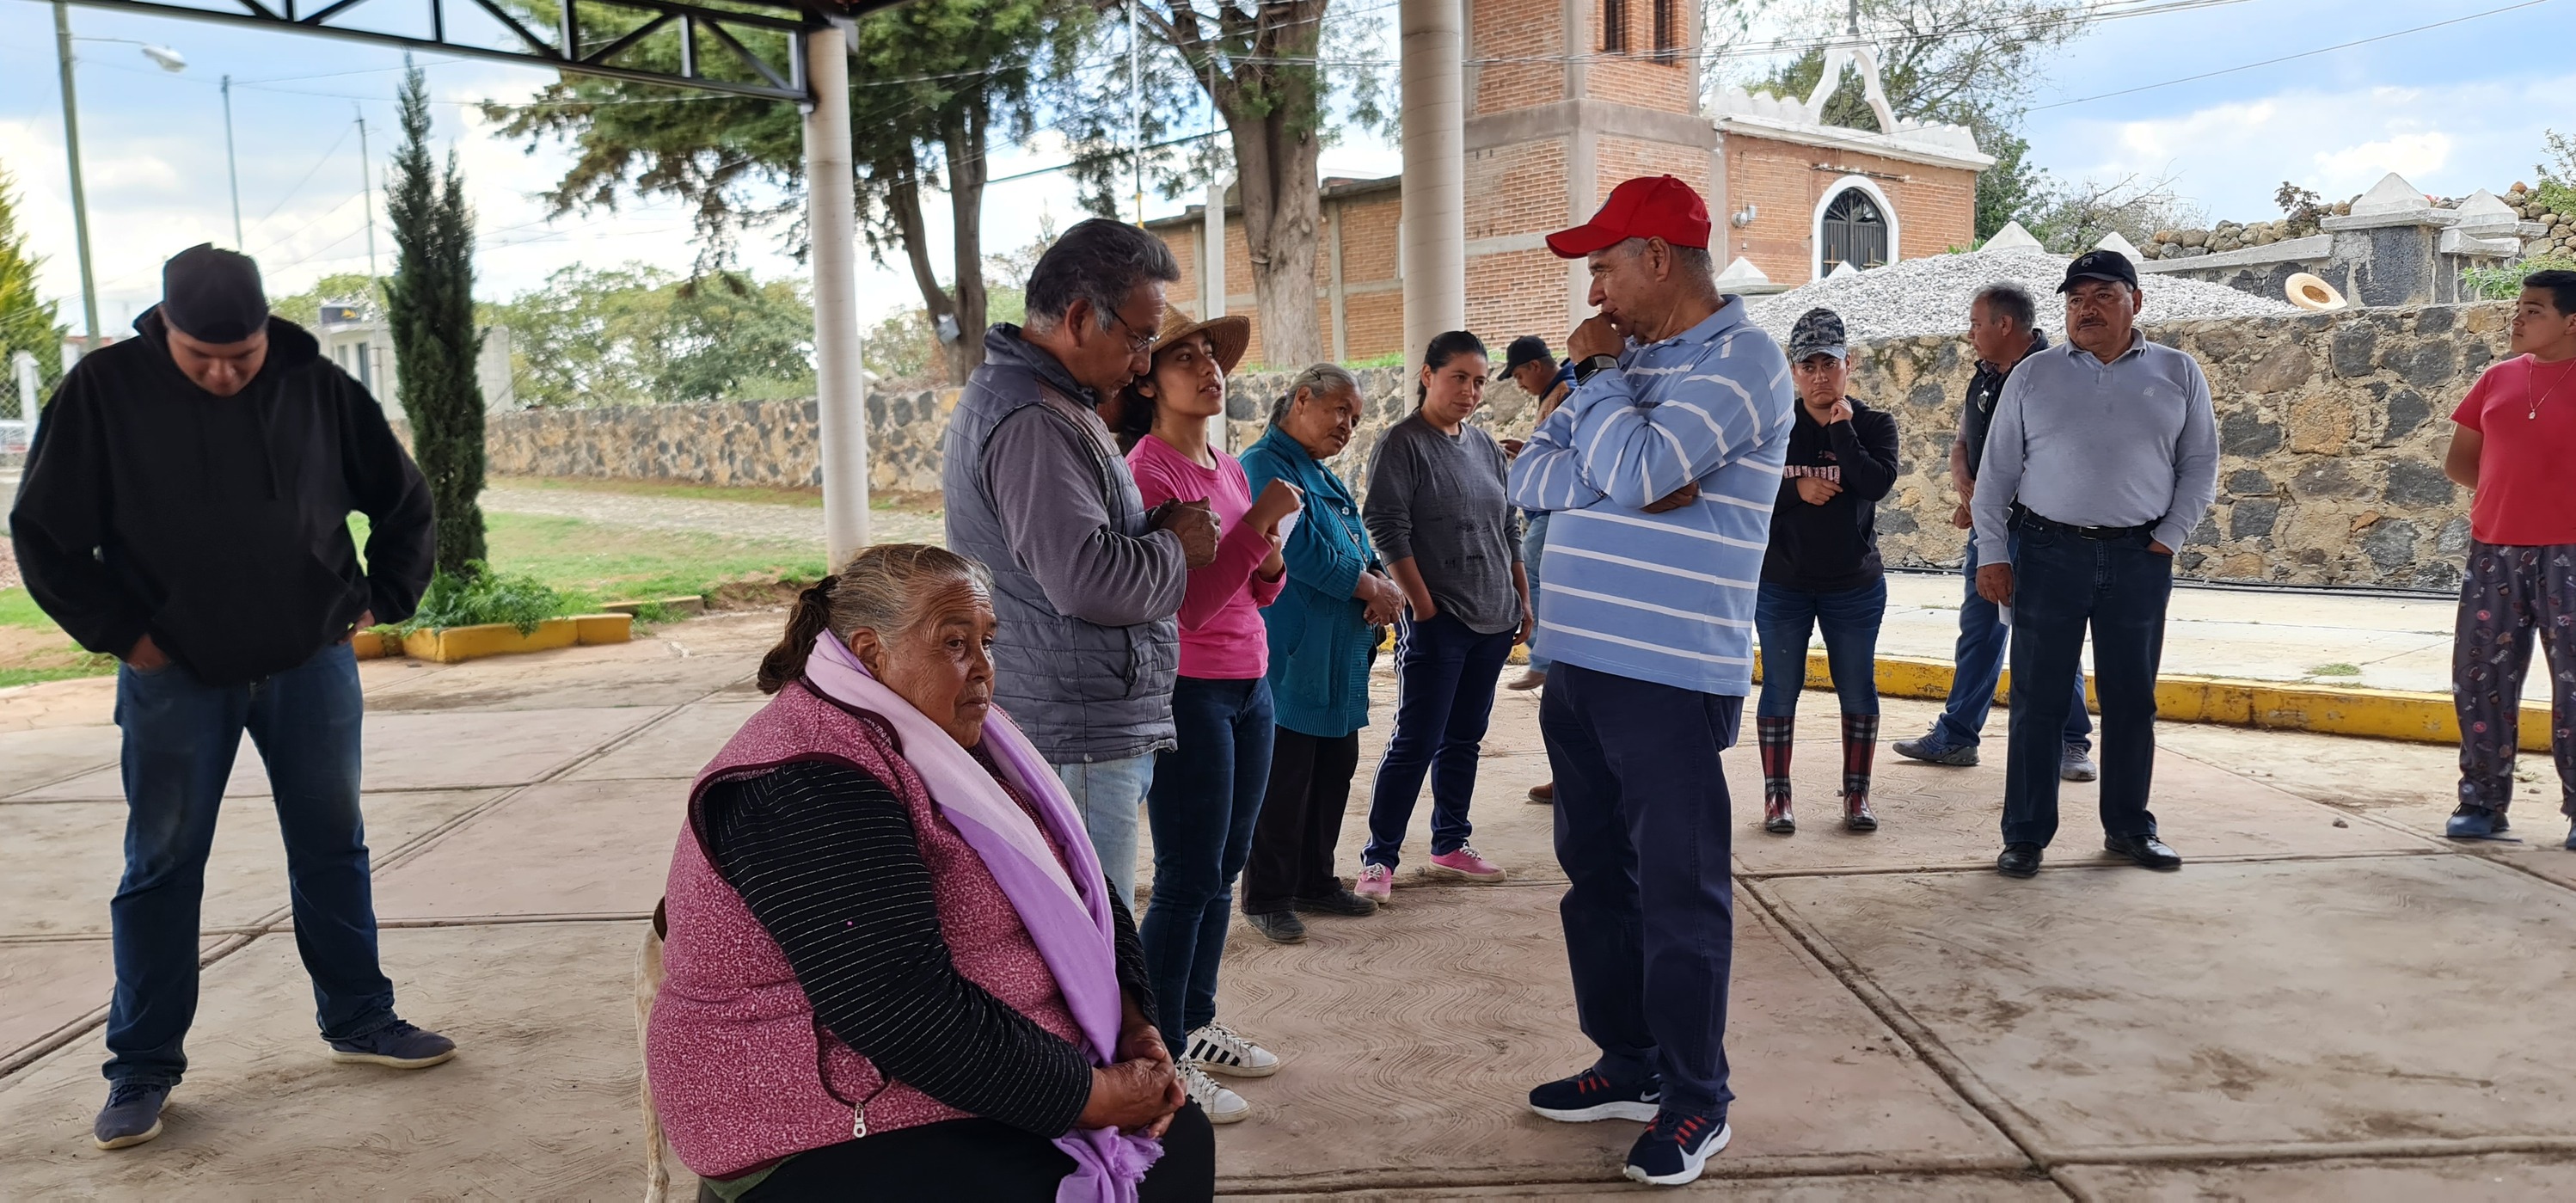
1664,597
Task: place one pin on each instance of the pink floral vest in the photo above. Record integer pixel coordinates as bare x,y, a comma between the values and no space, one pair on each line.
731,1048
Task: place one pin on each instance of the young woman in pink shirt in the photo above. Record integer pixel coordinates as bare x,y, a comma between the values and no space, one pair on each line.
1207,790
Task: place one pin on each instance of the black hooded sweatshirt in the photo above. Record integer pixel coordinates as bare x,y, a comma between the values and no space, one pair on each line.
1832,547
218,525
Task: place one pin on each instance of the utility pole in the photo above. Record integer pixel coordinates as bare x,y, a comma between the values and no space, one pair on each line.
80,196
831,224
367,187
232,166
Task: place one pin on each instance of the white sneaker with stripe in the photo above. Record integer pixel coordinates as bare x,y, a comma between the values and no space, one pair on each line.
1220,1050
1223,1106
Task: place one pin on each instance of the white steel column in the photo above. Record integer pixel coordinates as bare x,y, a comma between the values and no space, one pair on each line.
831,217
1212,240
1433,237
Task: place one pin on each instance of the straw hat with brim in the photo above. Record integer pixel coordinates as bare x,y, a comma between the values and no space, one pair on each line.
1228,335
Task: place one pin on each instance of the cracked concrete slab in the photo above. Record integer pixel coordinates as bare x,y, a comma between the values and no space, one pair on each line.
562,848
47,984
1411,1039
1936,816
64,859
540,1102
461,750
2494,1178
46,755
676,747
2292,1004
1823,1188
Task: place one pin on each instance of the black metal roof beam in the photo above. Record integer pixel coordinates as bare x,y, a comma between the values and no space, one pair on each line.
780,80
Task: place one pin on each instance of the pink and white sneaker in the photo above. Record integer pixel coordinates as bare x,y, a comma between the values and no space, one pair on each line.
1465,865
1377,884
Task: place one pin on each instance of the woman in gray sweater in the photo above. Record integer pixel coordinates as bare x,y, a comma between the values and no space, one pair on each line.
1438,511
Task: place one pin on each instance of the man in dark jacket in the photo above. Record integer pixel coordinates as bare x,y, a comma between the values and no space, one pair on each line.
186,510
1087,582
2003,328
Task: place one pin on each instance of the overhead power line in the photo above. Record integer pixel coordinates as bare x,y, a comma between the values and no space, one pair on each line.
2059,104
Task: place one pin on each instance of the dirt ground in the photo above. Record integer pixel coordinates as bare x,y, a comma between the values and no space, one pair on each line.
2328,1002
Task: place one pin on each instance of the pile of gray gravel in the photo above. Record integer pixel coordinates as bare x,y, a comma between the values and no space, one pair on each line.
1931,295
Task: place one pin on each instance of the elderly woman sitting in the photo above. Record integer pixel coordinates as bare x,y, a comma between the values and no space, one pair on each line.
895,968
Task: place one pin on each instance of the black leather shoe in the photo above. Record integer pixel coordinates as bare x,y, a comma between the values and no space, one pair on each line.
1339,902
2018,860
2147,850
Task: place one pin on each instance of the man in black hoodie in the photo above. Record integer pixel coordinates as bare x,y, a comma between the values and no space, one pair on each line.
186,508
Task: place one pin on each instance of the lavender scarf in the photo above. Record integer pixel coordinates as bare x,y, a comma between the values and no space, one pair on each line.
1067,917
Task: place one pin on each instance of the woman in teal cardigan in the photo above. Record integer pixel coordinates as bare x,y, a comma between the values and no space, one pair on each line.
1323,635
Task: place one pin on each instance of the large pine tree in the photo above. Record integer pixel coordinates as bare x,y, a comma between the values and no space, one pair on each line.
432,310
27,322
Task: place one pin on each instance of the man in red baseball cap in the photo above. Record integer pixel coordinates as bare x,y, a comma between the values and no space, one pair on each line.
1659,472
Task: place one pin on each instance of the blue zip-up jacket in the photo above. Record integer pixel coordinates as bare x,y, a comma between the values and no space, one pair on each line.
1320,638
1667,597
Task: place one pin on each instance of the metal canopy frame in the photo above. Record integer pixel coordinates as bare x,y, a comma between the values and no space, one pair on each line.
780,77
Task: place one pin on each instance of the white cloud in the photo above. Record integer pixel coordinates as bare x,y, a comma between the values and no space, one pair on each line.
2449,140
2415,156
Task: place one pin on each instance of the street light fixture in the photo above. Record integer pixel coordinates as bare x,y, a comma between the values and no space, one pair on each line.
168,60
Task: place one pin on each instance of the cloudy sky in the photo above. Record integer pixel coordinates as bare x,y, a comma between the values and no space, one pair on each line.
2454,109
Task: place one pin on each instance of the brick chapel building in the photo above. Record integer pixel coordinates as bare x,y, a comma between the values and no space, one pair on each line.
1566,98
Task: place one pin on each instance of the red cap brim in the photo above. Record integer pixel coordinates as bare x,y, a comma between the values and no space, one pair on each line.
1583,240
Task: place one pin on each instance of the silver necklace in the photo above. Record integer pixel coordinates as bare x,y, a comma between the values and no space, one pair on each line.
2563,373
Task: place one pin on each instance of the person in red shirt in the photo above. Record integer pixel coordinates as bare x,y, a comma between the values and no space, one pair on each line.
2516,439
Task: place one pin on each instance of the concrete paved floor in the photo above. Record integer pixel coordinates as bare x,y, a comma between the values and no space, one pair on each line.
2329,1002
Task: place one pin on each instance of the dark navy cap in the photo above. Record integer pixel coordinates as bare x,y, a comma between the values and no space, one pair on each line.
1528,348
213,295
2100,265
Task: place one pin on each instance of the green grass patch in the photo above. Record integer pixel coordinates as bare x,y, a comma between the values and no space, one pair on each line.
758,494
2335,670
90,666
19,609
594,563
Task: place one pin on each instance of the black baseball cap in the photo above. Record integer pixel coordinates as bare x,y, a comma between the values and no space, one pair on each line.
213,295
1528,348
2100,265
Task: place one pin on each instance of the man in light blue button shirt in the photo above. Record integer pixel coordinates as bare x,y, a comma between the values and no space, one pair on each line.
2102,458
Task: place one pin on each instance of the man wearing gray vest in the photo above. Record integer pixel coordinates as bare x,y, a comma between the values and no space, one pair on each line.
1086,581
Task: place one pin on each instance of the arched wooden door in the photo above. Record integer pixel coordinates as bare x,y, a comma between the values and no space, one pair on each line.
1855,231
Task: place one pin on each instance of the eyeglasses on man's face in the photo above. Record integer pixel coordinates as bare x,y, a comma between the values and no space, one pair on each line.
1140,339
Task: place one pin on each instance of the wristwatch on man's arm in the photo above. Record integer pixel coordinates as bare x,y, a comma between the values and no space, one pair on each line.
1583,371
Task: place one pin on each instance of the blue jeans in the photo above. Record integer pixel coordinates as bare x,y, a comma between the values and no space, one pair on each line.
1850,619
1205,802
1978,662
1106,793
180,738
2062,584
1444,696
1644,833
1533,550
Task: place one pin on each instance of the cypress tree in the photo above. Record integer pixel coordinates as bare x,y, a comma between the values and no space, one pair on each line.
432,310
27,321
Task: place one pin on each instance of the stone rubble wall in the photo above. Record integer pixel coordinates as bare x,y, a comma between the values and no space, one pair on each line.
2331,428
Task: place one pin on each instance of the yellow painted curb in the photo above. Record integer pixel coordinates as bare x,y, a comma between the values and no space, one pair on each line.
368,645
448,645
605,628
2272,705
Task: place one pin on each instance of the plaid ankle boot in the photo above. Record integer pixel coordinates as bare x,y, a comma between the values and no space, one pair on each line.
1775,735
1860,747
